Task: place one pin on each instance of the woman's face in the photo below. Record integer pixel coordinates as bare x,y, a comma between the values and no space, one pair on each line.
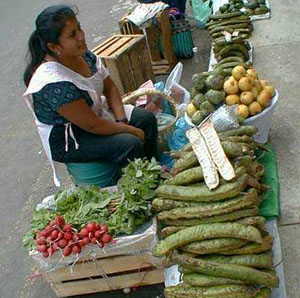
72,40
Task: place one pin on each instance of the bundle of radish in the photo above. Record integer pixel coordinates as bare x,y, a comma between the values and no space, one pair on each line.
62,237
216,236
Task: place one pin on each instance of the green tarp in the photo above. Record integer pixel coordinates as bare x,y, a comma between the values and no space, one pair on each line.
270,206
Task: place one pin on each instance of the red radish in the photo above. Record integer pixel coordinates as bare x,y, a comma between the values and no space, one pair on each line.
70,243
91,235
60,220
50,251
75,238
106,238
45,254
48,230
84,232
60,235
54,247
42,248
44,234
94,240
76,249
90,227
67,251
68,236
86,240
53,223
54,234
98,234
41,241
81,243
67,228
97,226
62,243
101,244
104,228
49,239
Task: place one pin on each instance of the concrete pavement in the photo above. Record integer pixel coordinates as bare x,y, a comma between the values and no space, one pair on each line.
26,175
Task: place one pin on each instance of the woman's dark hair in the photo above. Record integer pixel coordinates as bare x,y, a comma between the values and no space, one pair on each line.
49,25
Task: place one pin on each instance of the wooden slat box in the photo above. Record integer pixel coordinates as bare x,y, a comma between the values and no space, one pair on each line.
87,275
127,59
162,61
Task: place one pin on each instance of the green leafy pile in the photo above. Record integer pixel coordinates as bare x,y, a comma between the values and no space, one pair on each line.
123,210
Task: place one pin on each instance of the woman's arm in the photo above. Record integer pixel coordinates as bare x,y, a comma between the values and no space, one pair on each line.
79,113
113,97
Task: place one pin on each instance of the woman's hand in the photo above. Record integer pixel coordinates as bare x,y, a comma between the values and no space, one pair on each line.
136,132
140,134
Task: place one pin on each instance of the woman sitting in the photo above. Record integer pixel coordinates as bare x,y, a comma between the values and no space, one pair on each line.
77,107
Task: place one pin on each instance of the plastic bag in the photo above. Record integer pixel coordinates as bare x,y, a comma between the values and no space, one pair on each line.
178,138
224,118
201,10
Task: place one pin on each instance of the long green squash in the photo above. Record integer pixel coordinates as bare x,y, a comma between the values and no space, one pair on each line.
207,231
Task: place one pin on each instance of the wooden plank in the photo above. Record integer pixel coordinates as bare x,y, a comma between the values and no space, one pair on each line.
106,44
166,32
112,283
135,39
126,73
107,265
113,70
136,65
152,38
120,43
146,62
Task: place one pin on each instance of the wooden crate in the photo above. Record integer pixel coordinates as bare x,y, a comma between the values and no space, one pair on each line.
162,61
128,61
120,271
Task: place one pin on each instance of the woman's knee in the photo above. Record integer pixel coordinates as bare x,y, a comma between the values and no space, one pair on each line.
133,146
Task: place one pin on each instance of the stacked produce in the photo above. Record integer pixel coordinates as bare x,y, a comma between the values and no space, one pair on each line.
252,7
93,216
58,236
206,95
229,33
245,89
216,236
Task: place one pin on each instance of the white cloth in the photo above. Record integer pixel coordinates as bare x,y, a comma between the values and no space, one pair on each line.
145,12
53,72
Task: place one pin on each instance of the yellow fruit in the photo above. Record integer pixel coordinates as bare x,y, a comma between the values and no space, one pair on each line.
243,111
251,79
231,86
232,99
270,89
254,91
258,86
191,109
264,98
263,83
254,108
245,84
238,72
251,72
246,97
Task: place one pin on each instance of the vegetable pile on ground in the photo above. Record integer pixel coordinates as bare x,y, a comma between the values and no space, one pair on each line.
252,7
245,89
229,33
58,236
86,208
215,236
206,95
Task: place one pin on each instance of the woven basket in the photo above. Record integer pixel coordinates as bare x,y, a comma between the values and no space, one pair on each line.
163,132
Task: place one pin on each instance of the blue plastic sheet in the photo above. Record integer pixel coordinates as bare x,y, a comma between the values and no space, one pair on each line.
178,138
